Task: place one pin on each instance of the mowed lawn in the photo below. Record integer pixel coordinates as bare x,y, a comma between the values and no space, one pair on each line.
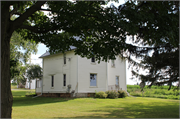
129,107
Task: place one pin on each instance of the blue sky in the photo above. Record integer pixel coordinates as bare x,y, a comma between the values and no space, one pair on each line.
42,49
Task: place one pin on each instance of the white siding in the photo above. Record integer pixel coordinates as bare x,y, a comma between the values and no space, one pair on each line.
54,65
32,85
85,68
118,70
78,69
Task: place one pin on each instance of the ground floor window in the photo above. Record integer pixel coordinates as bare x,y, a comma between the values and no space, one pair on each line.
117,80
93,79
52,81
64,80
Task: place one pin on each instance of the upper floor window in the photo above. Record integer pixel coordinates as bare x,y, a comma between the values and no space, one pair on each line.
93,59
64,58
113,63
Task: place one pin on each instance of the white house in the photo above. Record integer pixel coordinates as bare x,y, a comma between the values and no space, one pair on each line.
71,75
30,85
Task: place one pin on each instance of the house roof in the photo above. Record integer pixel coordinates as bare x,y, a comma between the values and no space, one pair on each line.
47,53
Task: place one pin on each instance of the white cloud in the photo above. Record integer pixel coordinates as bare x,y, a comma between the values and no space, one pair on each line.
36,60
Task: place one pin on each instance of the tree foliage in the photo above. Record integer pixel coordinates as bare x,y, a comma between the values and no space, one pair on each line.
34,72
93,25
20,53
95,31
153,27
79,18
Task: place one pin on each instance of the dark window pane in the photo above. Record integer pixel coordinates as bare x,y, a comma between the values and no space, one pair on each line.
92,59
64,81
52,81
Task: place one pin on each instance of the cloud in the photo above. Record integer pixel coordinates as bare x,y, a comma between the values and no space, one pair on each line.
36,60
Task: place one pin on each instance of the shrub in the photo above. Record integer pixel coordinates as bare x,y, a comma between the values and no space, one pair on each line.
14,83
128,90
122,94
147,93
163,92
112,94
100,94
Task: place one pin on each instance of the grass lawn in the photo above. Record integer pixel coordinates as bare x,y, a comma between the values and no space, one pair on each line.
14,87
129,107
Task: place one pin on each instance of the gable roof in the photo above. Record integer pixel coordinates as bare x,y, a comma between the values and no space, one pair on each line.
47,53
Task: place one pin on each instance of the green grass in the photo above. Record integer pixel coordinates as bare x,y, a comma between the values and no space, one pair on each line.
154,92
129,107
22,93
13,86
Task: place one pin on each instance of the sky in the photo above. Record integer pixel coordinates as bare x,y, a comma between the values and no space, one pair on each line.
42,49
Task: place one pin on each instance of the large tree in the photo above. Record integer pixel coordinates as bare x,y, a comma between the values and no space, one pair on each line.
87,20
154,31
94,30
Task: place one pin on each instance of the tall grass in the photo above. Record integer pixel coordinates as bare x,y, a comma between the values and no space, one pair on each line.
154,91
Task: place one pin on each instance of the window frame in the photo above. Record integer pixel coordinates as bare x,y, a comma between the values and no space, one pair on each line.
90,79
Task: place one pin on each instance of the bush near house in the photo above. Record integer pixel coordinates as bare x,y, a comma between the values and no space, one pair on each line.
122,94
112,94
100,94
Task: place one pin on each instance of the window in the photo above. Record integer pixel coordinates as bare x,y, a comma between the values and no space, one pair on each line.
64,80
93,79
64,58
117,80
92,59
38,83
112,63
52,81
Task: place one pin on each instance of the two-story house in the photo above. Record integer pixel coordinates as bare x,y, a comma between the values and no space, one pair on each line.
68,74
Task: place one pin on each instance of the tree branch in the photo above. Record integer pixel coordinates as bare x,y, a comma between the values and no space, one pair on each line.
46,10
19,21
13,11
17,13
36,29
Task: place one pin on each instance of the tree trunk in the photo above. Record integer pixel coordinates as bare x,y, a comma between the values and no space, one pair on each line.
6,95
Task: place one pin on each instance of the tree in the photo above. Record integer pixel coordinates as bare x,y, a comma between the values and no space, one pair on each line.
34,72
96,31
84,19
18,59
153,27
